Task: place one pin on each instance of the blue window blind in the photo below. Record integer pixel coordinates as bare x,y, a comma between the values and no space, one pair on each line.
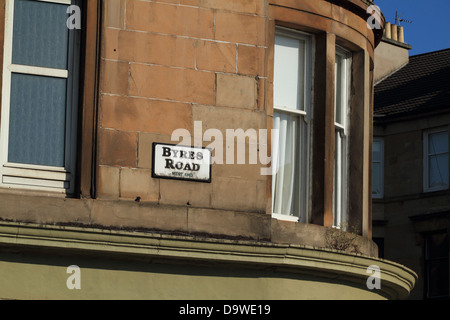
39,104
37,120
40,34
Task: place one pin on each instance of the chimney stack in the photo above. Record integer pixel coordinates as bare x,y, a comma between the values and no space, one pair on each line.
394,32
387,30
401,35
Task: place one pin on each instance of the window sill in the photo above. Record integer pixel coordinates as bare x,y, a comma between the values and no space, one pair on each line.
435,189
284,217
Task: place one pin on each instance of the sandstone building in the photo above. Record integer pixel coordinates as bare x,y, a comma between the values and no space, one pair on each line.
84,111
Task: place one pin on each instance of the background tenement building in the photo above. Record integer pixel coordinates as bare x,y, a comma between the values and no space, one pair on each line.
411,165
87,118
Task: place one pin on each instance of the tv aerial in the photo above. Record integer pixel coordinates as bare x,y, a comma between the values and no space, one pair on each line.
399,19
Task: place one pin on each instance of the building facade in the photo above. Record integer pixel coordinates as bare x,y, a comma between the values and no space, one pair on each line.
411,166
189,149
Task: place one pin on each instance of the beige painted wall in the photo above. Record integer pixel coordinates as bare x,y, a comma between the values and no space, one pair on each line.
390,56
45,278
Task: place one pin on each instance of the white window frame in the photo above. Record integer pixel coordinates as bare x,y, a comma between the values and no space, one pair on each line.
39,177
304,116
426,157
340,172
381,162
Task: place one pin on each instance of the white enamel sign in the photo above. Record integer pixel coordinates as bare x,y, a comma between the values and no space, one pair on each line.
181,162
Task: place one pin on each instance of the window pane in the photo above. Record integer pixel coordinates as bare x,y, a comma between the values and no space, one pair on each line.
339,176
437,246
289,73
376,179
40,34
339,87
438,170
438,279
438,142
37,120
286,181
437,265
376,155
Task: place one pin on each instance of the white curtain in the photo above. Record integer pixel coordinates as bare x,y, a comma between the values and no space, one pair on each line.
338,180
285,184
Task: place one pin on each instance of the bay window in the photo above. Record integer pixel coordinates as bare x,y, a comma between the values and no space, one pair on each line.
292,78
341,100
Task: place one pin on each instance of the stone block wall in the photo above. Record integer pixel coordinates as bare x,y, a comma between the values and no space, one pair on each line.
166,65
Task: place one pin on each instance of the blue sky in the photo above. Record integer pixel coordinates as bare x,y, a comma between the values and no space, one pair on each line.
430,27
